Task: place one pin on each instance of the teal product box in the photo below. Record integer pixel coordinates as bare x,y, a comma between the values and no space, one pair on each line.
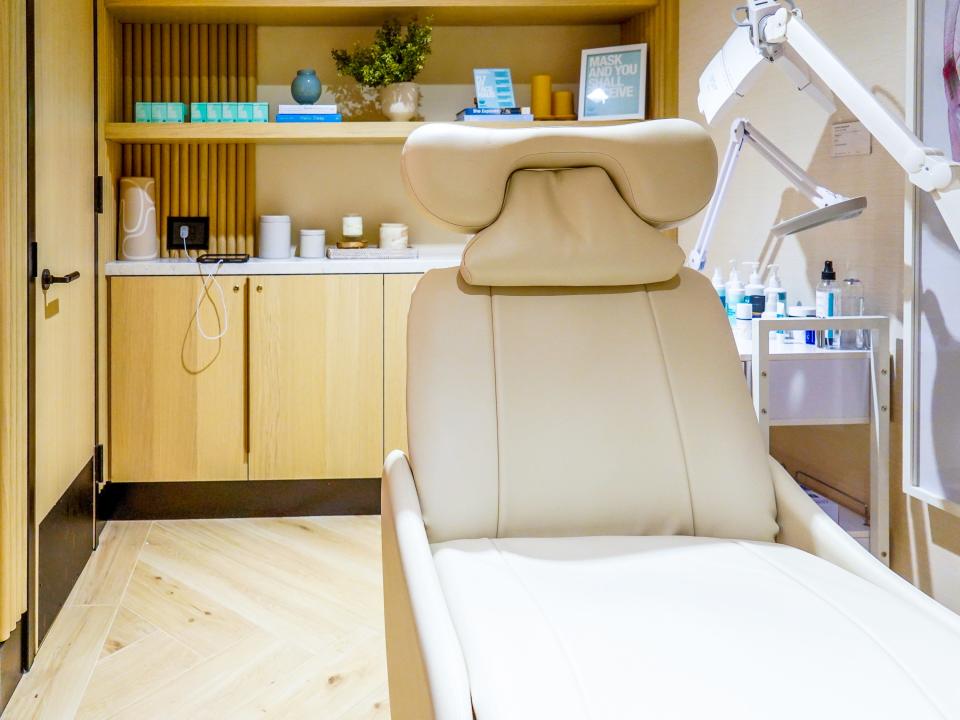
261,112
229,112
176,112
160,112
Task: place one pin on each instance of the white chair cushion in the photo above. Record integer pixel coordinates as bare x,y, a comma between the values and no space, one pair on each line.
684,627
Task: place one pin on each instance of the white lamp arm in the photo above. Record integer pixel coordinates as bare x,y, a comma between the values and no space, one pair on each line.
926,167
740,132
698,256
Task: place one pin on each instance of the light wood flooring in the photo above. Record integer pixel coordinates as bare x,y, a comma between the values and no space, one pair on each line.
216,620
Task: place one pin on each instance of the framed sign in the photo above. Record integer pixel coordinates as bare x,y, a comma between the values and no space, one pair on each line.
494,88
613,83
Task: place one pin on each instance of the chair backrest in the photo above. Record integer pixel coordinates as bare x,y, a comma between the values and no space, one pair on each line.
570,378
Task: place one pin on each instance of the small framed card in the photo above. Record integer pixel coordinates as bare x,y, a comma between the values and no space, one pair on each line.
494,88
613,83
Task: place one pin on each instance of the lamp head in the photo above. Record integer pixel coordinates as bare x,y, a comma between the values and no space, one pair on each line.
843,210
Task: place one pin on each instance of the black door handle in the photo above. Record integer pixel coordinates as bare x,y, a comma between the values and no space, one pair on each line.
47,278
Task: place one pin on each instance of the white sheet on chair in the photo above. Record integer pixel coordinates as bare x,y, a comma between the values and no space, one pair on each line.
610,628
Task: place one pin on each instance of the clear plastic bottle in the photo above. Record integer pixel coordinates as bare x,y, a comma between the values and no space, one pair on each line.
851,305
828,304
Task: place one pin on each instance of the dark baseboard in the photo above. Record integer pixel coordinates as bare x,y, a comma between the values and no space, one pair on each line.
11,664
238,498
65,544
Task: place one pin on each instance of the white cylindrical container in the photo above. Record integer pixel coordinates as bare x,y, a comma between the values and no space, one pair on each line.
393,236
275,237
744,320
313,243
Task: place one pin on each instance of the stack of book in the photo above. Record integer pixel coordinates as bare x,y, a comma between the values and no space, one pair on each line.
308,113
507,114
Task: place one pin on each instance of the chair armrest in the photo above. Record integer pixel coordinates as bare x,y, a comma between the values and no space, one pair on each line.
426,669
805,526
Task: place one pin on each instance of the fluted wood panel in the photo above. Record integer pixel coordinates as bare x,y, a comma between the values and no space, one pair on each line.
659,27
194,63
13,317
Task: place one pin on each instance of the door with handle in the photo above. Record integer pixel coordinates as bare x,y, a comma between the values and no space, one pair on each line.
62,303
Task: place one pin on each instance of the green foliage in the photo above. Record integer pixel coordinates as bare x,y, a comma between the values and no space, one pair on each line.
395,55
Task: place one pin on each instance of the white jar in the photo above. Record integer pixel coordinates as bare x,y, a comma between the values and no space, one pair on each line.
313,243
393,236
275,237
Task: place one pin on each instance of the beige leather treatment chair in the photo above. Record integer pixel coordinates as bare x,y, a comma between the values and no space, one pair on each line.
588,525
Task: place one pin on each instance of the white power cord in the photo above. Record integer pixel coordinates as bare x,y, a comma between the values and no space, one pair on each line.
205,283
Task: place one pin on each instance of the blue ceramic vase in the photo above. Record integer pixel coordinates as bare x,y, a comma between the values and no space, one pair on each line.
305,87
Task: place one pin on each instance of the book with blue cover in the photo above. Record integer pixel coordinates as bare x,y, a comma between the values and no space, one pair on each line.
522,117
494,88
491,111
310,118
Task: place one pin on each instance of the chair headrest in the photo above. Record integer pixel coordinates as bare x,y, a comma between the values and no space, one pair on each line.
664,170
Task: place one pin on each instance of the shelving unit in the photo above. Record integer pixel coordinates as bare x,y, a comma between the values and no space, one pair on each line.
373,12
369,133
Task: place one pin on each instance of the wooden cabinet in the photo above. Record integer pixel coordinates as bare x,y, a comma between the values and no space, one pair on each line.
316,376
397,291
177,401
307,383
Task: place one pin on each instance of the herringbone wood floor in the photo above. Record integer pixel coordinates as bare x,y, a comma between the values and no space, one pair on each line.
219,619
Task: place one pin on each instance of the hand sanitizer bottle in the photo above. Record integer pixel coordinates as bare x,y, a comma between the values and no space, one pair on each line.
734,290
719,286
828,304
753,292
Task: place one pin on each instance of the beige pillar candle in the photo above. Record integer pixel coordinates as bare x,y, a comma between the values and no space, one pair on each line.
540,86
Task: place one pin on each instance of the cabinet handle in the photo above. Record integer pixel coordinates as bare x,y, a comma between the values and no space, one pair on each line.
259,288
236,288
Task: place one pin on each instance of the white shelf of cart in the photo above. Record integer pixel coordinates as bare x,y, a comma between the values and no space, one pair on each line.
810,385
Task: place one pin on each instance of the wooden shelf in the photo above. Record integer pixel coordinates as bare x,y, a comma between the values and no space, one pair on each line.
346,133
373,12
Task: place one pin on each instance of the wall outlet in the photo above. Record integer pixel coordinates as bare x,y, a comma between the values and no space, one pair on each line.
192,231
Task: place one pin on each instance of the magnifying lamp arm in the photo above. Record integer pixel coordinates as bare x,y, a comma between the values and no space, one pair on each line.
698,256
926,167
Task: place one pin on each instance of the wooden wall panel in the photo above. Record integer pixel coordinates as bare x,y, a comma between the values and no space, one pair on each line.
13,317
193,63
659,27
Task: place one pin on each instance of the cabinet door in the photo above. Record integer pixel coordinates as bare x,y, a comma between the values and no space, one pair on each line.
397,291
177,400
316,377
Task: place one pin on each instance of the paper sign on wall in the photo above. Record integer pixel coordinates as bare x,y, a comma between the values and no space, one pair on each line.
850,138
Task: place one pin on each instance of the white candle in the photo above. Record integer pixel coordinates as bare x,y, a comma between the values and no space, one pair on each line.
352,226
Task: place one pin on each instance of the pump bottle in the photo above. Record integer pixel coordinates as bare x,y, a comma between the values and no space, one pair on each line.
719,286
735,293
775,288
753,292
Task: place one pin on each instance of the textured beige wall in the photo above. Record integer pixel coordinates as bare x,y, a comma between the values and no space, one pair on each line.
926,541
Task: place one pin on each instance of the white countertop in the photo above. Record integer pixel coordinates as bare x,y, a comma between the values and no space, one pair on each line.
431,259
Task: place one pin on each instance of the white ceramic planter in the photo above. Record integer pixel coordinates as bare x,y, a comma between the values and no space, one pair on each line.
399,101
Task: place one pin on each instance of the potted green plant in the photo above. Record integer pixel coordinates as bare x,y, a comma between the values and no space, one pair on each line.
391,63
